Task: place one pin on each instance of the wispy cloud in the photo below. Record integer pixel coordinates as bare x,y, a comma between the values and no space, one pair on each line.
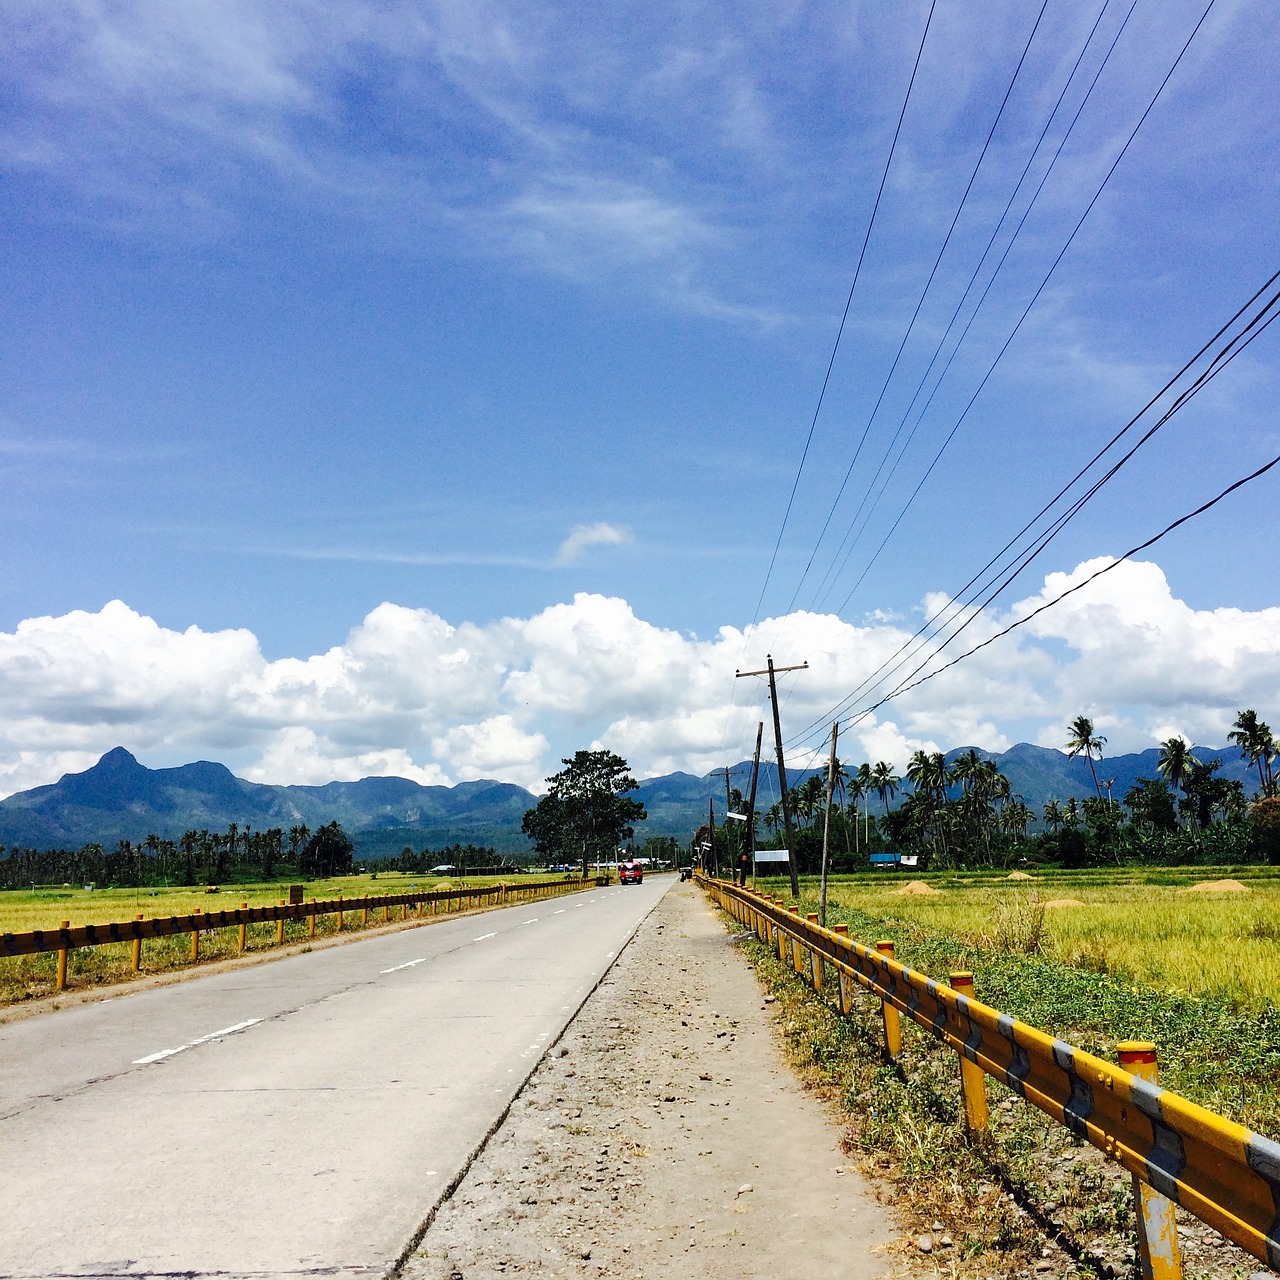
585,536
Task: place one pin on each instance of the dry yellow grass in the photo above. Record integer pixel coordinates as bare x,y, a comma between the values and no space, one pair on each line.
1211,943
26,977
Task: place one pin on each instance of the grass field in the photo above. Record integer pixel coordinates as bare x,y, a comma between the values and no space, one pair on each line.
27,977
46,908
1196,973
1139,925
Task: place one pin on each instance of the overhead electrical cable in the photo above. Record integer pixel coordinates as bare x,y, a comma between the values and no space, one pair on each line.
866,239
915,315
1079,586
841,557
974,607
1257,323
1035,297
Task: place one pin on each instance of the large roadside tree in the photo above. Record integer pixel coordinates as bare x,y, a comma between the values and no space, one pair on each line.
586,812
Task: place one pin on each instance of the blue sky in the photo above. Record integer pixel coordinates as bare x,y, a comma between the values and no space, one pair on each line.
491,336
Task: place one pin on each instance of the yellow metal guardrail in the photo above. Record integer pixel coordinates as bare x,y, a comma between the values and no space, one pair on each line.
1177,1151
440,901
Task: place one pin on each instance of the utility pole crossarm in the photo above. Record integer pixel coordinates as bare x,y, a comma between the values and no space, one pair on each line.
764,671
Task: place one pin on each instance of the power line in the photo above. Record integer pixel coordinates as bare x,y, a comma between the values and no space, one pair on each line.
845,316
1043,284
841,557
1093,577
1239,341
857,453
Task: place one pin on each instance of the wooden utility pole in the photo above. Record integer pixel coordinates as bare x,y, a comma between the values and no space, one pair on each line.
751,804
711,836
728,809
771,671
826,824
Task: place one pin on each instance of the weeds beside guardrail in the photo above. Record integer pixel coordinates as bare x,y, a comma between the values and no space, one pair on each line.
1177,1151
65,940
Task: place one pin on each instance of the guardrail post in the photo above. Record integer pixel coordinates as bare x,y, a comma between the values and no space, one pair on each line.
137,948
365,921
339,930
973,1080
313,920
244,929
892,1019
815,960
280,923
1157,1226
62,962
195,937
846,993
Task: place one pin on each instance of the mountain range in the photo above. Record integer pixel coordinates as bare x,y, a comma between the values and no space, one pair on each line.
118,798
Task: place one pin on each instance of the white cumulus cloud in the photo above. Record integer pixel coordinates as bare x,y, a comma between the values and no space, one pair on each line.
411,694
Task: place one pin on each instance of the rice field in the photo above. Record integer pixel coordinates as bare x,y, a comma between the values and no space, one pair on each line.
27,977
1172,930
47,907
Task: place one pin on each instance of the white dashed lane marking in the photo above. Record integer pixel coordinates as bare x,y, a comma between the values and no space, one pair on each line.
484,936
191,1044
408,964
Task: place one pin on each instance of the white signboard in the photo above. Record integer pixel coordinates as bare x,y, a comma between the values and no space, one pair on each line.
773,855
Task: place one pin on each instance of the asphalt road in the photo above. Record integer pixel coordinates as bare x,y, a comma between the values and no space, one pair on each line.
301,1117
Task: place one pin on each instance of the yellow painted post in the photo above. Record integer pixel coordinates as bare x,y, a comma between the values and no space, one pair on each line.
62,962
386,913
280,922
195,937
892,1019
137,949
244,929
973,1080
339,913
365,921
313,920
1157,1226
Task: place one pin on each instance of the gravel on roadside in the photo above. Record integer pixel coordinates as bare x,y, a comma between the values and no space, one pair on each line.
664,1135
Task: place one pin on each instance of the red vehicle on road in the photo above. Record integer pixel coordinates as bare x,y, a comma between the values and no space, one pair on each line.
630,873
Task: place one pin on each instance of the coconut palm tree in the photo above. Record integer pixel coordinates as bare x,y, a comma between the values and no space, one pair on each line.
1084,739
1053,815
1175,761
773,817
885,782
1253,737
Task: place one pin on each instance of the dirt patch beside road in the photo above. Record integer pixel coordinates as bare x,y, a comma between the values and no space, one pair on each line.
664,1136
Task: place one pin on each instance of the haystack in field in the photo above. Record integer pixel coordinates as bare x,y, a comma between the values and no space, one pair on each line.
1217,886
918,889
1019,875
1064,902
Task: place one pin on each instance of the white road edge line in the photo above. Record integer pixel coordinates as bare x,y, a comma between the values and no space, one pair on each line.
191,1044
408,964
